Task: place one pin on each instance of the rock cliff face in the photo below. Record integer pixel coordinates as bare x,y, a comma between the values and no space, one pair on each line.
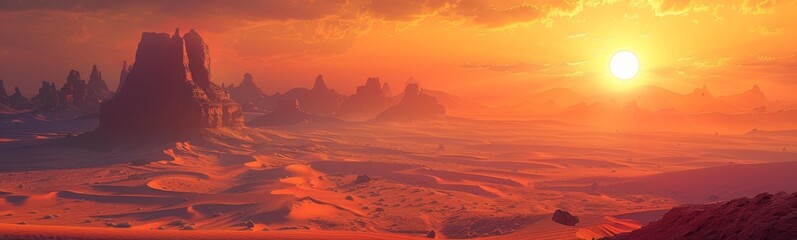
367,102
17,101
161,94
320,100
414,105
766,216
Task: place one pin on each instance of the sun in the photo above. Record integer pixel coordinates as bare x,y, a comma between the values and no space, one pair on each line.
624,65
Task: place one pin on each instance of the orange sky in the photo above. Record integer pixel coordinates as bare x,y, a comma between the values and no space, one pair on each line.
466,47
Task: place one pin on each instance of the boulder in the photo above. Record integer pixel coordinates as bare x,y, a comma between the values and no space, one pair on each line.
564,218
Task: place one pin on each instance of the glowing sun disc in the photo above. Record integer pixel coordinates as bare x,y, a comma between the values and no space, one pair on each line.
624,65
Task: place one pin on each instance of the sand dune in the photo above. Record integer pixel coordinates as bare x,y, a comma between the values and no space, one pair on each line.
458,178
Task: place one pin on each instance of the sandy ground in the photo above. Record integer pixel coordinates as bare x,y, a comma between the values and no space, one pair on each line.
458,178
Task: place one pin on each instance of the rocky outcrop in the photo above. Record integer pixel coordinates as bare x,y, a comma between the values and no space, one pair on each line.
47,98
766,216
320,100
162,95
564,218
367,102
414,105
17,101
250,96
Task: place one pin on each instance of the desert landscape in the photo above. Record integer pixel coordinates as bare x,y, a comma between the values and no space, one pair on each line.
173,151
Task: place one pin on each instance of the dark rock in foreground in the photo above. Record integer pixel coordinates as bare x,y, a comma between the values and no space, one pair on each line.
766,216
564,218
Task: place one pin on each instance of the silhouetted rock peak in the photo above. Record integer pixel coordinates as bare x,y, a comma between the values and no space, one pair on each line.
123,74
368,101
372,87
756,89
319,84
248,82
74,90
161,93
766,216
47,98
95,80
386,89
3,93
249,95
414,105
17,101
564,218
412,89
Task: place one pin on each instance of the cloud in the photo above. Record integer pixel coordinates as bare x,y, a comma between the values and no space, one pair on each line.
757,7
674,7
510,68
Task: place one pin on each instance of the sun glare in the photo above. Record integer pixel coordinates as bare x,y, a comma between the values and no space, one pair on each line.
624,65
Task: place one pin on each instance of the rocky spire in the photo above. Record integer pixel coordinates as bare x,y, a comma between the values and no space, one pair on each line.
319,84
95,80
74,90
386,89
3,93
123,75
17,101
198,58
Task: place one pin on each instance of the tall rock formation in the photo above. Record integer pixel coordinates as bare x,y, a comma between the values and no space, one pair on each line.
47,98
123,74
250,96
367,102
387,90
161,95
74,90
414,105
95,80
96,92
3,93
320,100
